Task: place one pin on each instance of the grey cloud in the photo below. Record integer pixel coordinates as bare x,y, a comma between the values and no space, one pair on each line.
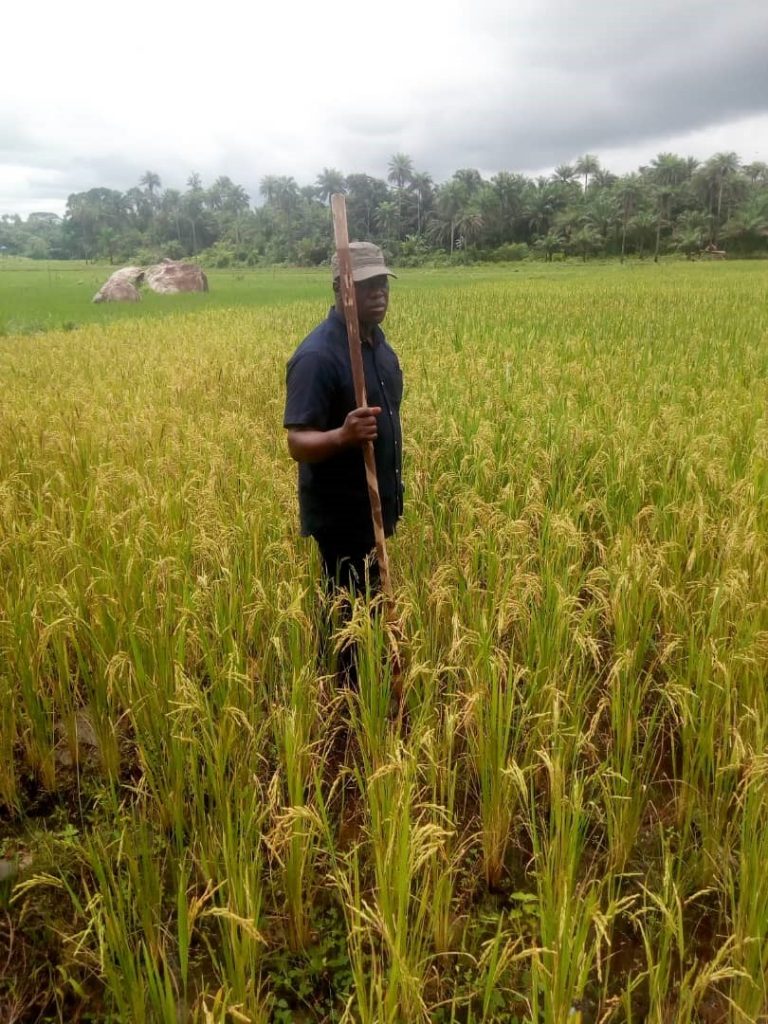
575,78
619,75
541,82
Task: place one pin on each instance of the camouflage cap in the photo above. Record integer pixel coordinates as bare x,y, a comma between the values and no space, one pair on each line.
367,261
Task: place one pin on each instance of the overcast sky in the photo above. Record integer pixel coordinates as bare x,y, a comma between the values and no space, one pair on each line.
93,93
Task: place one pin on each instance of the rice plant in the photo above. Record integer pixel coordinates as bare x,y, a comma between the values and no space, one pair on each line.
568,819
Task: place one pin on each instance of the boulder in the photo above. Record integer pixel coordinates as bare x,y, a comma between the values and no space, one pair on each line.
169,277
117,289
134,275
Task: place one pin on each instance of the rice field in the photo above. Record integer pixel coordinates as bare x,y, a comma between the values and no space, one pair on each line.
569,821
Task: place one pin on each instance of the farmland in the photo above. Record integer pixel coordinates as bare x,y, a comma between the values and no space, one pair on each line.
571,822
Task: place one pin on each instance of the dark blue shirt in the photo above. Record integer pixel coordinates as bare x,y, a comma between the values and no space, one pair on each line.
320,392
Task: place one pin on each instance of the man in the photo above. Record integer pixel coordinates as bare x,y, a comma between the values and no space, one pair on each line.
326,431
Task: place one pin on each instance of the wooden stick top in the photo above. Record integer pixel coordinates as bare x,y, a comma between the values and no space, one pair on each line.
348,297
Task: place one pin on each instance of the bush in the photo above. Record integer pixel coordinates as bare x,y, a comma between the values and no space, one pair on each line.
146,257
219,256
414,252
510,252
439,259
37,248
462,258
312,252
173,250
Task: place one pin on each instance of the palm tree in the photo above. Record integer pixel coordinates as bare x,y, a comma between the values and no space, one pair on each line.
470,224
756,171
586,165
509,189
195,182
565,173
364,194
643,226
279,191
328,182
539,210
689,241
549,244
235,202
750,222
150,181
422,188
691,163
718,171
192,206
601,213
604,178
286,192
663,194
669,169
400,170
451,200
138,207
217,193
238,199
667,173
269,187
628,193
107,243
171,207
585,240
400,173
690,232
225,195
470,180
387,218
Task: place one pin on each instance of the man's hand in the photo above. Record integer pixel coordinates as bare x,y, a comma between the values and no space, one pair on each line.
360,425
308,445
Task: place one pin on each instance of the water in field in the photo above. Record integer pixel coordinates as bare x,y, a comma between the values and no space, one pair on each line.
569,821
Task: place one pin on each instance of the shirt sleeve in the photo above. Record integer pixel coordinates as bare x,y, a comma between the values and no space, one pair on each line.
308,392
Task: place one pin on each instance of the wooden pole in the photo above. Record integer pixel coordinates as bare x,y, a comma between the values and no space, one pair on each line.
349,303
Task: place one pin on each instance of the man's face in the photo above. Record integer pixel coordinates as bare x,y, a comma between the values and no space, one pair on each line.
372,299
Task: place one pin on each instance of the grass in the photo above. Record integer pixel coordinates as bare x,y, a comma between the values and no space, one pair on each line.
40,296
573,824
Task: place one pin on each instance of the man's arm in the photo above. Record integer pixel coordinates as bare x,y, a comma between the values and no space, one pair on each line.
309,445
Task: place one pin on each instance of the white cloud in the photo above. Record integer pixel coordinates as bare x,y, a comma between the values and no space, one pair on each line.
101,93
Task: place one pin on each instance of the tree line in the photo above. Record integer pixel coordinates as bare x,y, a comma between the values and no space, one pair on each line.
674,204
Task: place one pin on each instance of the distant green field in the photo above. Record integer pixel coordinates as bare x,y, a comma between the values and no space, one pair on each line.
48,297
41,296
